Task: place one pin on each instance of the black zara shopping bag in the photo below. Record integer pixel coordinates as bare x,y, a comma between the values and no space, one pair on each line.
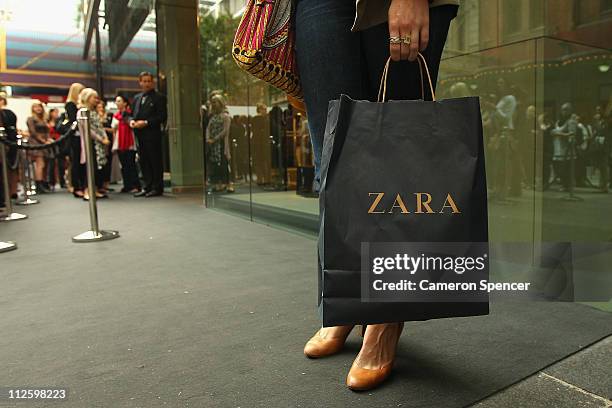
430,154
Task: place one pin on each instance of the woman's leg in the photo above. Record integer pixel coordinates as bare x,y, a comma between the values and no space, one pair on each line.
121,154
51,171
39,172
129,172
83,175
133,170
61,170
330,62
39,168
99,176
75,159
106,170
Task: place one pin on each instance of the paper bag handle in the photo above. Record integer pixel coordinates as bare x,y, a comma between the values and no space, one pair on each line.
382,90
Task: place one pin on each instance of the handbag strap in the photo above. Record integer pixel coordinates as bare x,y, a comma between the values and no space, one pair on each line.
382,89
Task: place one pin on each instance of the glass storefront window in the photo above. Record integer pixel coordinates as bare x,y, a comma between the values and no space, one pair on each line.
264,169
525,59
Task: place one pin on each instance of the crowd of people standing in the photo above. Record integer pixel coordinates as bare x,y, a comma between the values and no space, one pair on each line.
132,136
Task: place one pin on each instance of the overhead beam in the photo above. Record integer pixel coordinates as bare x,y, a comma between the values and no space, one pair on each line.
91,22
124,19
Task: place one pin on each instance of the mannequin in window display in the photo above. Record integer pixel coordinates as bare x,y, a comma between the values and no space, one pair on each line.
260,147
289,120
218,146
243,148
306,179
277,131
306,145
240,149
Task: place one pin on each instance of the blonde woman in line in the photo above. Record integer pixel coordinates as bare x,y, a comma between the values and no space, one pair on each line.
77,170
88,98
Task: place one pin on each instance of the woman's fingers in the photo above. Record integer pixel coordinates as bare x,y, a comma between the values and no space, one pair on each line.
413,47
424,36
405,46
395,48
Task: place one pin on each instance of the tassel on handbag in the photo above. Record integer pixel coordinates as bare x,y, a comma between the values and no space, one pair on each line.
264,44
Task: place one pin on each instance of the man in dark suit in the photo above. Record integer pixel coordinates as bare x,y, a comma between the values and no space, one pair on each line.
149,115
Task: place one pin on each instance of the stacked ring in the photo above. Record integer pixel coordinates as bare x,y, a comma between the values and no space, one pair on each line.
400,40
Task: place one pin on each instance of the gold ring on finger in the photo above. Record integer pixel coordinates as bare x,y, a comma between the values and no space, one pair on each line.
395,40
406,39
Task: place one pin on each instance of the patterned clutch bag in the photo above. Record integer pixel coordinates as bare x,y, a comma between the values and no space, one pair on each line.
264,44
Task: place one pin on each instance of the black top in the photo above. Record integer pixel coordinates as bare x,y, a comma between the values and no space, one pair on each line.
71,111
150,106
9,122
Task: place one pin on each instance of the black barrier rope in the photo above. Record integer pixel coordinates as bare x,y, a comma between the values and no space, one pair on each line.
4,140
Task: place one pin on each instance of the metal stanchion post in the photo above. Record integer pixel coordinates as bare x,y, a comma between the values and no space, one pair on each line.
95,234
6,246
26,179
10,215
32,190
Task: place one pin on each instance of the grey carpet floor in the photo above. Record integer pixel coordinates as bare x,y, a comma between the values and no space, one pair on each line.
195,308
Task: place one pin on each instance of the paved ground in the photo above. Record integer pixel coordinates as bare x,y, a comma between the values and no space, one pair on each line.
194,308
580,380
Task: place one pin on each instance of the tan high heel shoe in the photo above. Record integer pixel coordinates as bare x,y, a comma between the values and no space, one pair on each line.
362,379
319,346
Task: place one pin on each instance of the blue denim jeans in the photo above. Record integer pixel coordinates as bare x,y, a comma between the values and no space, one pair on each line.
332,60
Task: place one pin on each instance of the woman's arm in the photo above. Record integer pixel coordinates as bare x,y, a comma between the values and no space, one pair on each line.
227,122
30,125
97,132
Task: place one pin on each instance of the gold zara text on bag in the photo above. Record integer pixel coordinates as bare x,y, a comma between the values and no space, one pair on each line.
264,44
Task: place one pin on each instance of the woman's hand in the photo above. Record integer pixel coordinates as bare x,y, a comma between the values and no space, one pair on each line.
408,18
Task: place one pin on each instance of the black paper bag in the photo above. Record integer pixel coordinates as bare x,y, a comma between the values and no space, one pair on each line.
396,147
